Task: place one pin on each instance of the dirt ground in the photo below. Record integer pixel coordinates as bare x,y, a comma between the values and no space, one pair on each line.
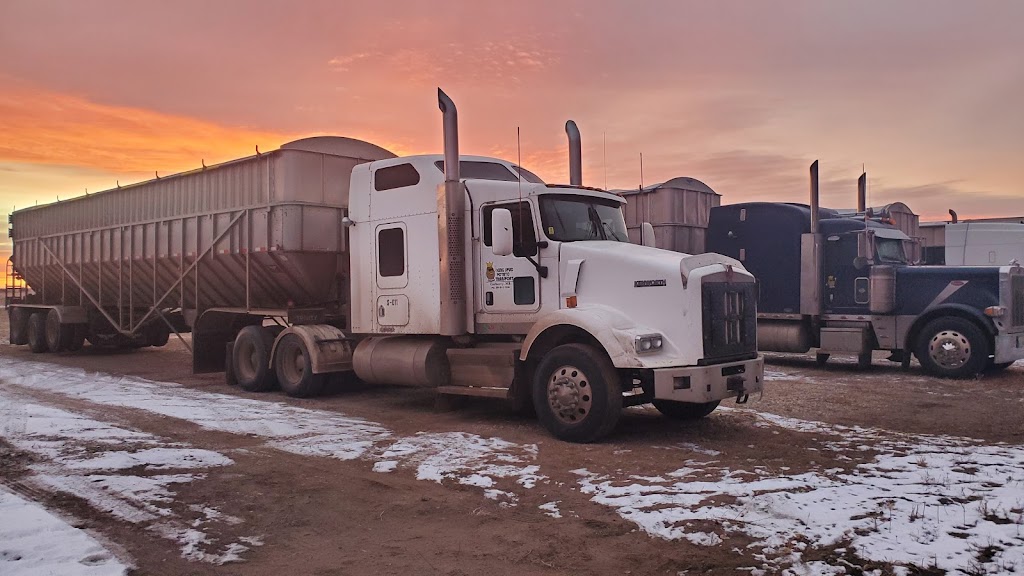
324,516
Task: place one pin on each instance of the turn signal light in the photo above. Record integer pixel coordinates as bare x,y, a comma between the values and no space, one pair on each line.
995,311
570,302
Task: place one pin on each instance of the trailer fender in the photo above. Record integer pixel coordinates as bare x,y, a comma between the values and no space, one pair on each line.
66,314
607,326
330,350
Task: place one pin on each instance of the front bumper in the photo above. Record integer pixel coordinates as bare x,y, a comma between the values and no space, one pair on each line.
701,384
1009,347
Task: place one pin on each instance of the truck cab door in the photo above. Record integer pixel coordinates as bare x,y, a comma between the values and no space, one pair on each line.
392,277
509,283
847,288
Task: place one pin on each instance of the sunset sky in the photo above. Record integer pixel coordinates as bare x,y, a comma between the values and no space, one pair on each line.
929,95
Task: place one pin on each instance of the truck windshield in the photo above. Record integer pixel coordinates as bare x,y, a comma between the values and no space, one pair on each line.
572,217
890,250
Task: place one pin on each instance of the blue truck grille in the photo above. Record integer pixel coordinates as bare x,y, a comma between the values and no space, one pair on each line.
730,320
1017,301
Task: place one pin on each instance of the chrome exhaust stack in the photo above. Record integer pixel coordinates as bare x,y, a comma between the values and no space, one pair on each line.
814,197
575,154
862,193
451,241
810,257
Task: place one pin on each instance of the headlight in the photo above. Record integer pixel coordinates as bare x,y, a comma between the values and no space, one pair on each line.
648,343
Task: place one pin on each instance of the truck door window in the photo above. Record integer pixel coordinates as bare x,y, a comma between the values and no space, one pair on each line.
523,234
524,290
391,252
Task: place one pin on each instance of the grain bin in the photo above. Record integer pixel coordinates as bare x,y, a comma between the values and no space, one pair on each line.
678,209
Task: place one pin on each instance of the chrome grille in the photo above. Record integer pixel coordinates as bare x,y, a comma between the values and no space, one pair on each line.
730,319
1017,300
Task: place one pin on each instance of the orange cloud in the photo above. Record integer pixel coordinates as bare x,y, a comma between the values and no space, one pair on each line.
51,128
46,127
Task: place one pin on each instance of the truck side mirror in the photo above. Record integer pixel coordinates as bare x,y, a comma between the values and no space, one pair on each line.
501,231
647,235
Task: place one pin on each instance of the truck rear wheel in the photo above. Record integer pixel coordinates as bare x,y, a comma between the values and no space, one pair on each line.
250,359
952,347
37,332
76,337
577,393
685,410
19,326
295,369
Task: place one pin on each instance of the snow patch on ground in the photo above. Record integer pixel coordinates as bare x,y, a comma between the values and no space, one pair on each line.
113,468
920,501
28,534
468,459
551,509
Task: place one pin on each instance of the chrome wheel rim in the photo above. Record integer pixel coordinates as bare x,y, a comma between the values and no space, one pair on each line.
569,394
949,349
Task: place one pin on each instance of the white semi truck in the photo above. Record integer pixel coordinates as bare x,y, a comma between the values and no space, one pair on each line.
462,273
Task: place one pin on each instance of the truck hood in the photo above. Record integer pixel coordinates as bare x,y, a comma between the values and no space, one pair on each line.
654,290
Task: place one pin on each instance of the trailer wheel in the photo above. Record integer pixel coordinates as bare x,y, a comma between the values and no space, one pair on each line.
19,325
250,359
76,338
294,369
821,358
577,393
158,335
864,361
37,332
56,333
685,410
952,347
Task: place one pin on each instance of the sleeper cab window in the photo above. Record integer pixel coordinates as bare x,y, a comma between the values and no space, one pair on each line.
391,252
397,176
524,238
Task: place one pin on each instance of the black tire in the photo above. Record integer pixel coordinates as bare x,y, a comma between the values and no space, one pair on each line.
76,337
19,325
37,333
57,334
250,359
864,361
952,347
821,358
577,393
294,369
685,410
158,335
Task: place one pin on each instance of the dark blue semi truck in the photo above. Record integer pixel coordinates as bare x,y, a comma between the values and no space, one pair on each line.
846,285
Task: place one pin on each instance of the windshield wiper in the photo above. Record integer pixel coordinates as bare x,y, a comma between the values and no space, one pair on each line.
596,225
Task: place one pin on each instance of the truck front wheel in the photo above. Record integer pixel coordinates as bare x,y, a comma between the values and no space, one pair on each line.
952,348
685,410
577,393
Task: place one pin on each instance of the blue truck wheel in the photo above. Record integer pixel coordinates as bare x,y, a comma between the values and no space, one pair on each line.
952,347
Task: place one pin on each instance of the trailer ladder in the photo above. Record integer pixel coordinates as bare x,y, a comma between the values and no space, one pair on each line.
14,287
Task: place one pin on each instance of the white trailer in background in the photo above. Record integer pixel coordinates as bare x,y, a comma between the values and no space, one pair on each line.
466,274
984,243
